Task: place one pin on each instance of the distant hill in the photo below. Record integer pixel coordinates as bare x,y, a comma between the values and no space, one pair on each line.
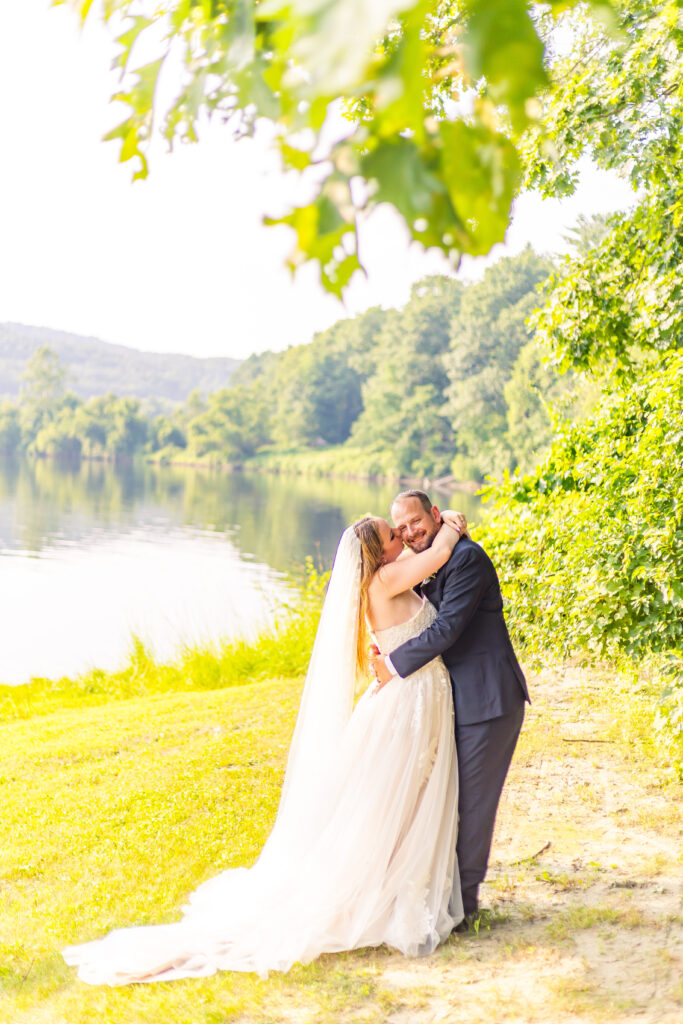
96,367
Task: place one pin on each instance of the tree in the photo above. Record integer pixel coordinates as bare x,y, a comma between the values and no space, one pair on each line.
486,337
527,394
588,232
403,415
60,437
164,433
10,429
316,394
94,424
428,98
591,542
43,387
232,427
622,102
312,393
129,429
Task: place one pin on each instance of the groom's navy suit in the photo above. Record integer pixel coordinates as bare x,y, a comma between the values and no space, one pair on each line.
489,691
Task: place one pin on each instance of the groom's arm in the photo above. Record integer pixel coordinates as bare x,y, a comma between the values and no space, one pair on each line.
465,585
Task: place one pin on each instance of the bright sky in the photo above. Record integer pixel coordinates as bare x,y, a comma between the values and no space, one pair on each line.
179,262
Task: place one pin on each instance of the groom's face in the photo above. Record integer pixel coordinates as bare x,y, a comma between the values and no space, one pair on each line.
416,526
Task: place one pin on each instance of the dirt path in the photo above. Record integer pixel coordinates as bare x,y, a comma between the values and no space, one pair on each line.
590,928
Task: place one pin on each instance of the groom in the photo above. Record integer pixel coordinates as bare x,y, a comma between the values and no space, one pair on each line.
489,689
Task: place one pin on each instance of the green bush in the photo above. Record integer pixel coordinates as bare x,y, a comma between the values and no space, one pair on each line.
590,545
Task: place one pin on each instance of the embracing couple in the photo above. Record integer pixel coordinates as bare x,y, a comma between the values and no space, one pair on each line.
387,810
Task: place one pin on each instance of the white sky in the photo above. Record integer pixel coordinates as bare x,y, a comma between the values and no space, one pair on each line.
179,262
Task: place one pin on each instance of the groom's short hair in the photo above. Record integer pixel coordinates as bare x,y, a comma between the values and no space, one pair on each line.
421,496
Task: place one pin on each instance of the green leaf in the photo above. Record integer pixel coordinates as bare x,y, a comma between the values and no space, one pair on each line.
141,96
320,229
401,177
84,8
127,132
399,93
482,172
292,157
336,275
294,63
127,39
503,47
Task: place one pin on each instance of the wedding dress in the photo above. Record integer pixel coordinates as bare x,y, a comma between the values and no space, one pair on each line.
363,848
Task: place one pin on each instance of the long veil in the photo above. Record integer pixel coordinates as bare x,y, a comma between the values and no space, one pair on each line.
327,698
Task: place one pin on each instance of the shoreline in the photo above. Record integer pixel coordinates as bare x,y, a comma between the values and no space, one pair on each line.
440,483
425,483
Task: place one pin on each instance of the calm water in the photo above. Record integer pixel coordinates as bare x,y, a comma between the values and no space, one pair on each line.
91,555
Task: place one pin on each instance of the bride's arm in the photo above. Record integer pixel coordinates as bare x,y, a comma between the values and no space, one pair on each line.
405,573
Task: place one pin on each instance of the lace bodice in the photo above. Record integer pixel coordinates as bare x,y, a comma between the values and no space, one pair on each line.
389,639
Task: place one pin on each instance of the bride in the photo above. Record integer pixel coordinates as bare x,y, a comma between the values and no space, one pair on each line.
362,852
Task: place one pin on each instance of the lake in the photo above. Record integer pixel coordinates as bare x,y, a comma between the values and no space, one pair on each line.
94,554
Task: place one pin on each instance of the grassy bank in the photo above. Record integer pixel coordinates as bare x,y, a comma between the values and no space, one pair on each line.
122,795
346,462
338,460
333,461
281,651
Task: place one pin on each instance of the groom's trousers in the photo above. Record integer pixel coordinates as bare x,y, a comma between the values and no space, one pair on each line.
484,751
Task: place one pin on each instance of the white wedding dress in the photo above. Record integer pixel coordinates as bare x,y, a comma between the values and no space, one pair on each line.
363,849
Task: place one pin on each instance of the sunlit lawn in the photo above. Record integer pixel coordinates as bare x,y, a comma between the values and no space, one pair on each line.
111,816
122,792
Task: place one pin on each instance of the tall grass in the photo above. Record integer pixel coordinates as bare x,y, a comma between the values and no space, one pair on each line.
281,651
337,460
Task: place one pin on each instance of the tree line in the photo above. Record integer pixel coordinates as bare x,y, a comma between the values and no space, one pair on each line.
455,383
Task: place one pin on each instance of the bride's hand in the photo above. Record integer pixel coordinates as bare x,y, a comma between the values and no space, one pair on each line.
457,520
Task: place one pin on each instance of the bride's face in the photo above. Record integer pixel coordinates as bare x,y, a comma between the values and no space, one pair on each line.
391,541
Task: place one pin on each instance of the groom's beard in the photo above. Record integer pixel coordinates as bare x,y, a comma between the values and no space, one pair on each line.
418,546
421,542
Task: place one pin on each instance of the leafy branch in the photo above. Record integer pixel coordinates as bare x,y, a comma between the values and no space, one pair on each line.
437,93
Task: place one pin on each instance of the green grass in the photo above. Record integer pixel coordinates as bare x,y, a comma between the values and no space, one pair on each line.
112,815
336,460
124,791
333,460
626,697
568,922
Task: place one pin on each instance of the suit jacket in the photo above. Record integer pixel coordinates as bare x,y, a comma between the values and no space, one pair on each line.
471,636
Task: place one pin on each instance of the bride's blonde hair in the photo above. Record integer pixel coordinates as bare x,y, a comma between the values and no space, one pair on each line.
371,558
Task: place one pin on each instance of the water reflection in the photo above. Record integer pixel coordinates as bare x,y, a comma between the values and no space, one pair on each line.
91,553
277,520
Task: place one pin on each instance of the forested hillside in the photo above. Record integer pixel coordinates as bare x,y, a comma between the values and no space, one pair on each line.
96,367
454,383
